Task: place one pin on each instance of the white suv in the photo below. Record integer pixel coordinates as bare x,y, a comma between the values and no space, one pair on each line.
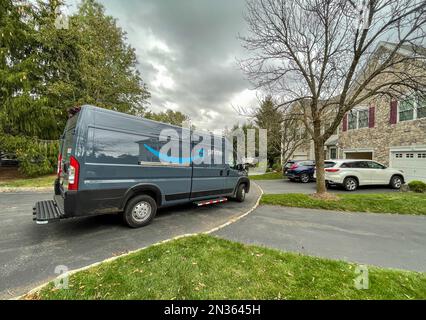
353,173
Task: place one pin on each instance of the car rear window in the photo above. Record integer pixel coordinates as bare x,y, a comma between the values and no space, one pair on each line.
329,164
307,164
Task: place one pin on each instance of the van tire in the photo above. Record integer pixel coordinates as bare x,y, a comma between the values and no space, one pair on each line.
140,211
241,193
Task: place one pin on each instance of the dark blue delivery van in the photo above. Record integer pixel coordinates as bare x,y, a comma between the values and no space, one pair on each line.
111,162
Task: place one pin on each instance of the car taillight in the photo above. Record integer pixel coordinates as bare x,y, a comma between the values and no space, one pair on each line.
294,166
59,164
73,173
332,170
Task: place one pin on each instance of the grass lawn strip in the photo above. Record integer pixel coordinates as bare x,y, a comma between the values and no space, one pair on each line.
395,202
206,267
268,176
41,182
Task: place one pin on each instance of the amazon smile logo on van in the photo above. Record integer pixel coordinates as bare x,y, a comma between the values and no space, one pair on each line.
175,160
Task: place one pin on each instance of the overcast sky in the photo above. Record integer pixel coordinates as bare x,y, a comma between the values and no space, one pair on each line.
187,52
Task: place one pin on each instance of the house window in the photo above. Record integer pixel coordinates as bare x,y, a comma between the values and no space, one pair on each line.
421,155
421,108
409,155
406,110
333,153
363,118
352,120
412,108
358,119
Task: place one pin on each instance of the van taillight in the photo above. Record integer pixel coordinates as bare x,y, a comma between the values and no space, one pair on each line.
73,173
59,164
332,170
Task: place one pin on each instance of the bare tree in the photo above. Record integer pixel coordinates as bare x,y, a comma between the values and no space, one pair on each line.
328,56
294,135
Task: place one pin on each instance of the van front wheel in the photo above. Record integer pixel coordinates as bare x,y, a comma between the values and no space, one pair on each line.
140,211
241,193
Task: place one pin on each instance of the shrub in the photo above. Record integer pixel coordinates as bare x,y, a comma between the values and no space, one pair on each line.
417,186
36,157
277,167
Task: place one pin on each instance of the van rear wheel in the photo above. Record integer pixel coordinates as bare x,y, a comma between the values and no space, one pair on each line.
140,211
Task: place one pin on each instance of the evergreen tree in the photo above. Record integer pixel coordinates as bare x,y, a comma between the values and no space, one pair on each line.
270,118
173,117
107,65
46,70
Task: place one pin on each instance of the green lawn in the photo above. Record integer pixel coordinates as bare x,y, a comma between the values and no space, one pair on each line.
46,181
268,176
398,202
206,267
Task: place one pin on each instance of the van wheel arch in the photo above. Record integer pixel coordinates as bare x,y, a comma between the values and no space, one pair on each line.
149,190
246,182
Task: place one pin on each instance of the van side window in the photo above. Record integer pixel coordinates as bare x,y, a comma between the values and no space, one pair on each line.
116,147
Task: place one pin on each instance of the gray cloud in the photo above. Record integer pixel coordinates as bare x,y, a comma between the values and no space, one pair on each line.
187,52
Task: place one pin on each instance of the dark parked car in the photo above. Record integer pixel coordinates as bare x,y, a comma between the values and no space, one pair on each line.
287,166
8,160
302,170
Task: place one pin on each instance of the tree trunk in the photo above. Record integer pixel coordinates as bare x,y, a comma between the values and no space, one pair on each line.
319,163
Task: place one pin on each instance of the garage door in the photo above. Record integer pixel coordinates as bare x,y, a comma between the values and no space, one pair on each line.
359,155
413,163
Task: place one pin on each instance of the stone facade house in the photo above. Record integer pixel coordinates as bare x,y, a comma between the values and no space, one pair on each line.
390,131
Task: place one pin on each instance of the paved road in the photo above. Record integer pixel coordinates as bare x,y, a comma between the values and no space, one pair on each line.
285,186
29,253
394,241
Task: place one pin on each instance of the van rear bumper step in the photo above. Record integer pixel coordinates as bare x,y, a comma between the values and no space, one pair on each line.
46,211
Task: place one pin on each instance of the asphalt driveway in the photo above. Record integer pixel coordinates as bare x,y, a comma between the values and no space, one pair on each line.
392,241
29,252
286,186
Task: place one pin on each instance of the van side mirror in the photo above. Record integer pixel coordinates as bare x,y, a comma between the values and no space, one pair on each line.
241,167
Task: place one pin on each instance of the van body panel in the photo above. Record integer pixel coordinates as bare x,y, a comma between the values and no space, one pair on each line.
119,157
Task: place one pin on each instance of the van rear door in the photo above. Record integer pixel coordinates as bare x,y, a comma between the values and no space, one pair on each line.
67,149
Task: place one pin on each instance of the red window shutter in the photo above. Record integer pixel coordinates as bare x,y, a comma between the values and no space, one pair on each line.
393,112
345,122
371,116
